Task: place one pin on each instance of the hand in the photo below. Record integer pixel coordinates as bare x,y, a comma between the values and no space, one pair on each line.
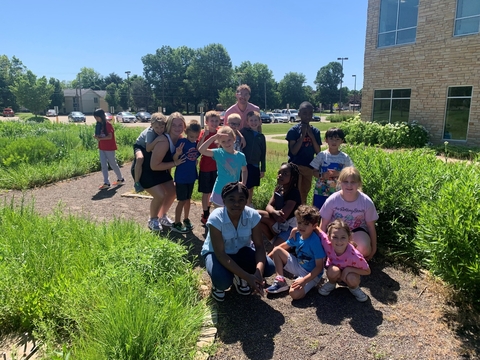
292,233
310,132
262,174
179,149
255,282
332,174
278,216
305,128
206,132
298,284
243,143
180,160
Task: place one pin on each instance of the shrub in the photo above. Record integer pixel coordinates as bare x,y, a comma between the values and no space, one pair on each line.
29,151
339,118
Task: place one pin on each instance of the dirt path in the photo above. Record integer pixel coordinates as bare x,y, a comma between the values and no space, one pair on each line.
405,318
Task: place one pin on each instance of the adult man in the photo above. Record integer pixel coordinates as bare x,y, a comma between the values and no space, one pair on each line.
242,107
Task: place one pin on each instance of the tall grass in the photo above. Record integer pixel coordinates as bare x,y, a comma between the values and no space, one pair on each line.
104,291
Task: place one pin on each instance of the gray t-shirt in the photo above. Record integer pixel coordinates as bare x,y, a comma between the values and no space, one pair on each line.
146,137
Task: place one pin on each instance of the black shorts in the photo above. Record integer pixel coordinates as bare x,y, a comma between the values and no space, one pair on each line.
206,181
184,191
253,178
139,147
359,229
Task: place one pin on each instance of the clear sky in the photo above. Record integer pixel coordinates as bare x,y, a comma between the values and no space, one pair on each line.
55,38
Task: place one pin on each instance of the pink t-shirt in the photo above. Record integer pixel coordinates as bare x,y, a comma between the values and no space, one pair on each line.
234,109
355,213
350,258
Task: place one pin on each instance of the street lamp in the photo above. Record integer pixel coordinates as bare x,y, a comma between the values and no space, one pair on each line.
354,93
128,81
341,82
162,64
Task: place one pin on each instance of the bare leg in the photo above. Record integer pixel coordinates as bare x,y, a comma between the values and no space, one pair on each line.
279,257
169,197
186,208
362,239
138,165
156,203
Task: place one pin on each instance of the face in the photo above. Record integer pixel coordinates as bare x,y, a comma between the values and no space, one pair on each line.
98,118
178,127
306,115
253,122
213,122
235,202
159,128
305,228
284,175
234,124
226,142
242,96
339,240
349,186
334,142
192,136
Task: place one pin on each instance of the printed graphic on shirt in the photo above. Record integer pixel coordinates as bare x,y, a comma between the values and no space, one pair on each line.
326,187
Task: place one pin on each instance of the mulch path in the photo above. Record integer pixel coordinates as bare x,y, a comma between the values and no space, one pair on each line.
408,316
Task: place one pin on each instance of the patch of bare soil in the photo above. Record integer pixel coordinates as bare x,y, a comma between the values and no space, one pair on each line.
408,316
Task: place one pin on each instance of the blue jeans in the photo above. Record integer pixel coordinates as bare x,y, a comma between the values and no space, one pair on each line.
222,278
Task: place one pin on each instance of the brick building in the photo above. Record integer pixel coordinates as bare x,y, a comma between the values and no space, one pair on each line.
422,62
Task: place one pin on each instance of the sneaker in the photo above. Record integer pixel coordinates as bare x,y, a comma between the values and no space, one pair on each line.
241,285
279,285
119,182
217,294
166,221
179,228
204,220
188,224
104,186
154,225
327,288
138,188
359,294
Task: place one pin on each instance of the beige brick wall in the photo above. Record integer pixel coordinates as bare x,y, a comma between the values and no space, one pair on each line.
436,61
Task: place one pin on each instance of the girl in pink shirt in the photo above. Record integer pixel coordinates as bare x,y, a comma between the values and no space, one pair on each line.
344,262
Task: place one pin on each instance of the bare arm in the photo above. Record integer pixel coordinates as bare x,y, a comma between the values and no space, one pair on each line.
295,145
315,144
300,282
244,175
203,147
159,152
151,146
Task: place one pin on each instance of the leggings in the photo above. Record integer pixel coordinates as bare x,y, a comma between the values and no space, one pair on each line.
108,158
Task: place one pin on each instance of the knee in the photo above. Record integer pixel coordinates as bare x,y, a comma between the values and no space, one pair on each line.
334,273
352,280
296,294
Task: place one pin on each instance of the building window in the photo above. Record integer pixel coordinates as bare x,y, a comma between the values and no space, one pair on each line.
390,106
467,20
95,100
458,112
398,22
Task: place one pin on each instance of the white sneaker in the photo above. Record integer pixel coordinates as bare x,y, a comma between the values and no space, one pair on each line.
327,288
166,221
359,294
154,225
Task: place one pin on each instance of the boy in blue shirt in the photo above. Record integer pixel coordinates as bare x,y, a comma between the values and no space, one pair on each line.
303,144
186,175
309,258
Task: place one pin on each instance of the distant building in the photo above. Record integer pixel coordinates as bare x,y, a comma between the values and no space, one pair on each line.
422,62
84,100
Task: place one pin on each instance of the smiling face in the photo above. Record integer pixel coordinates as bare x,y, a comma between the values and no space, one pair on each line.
235,203
192,136
339,239
306,115
212,123
305,228
158,127
349,186
242,96
334,144
178,127
253,122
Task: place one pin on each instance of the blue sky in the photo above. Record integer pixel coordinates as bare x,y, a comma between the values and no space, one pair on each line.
56,38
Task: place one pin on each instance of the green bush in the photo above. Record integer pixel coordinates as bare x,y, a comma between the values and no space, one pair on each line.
339,118
29,151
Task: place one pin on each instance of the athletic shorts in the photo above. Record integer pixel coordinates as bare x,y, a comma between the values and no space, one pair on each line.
253,178
206,181
184,191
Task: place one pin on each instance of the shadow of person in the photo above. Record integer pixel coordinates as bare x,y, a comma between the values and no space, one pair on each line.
341,304
238,322
105,194
382,287
191,242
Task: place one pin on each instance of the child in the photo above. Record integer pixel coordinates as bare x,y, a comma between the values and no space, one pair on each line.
309,257
355,208
278,218
208,167
186,175
230,163
107,146
344,262
303,144
234,121
145,143
255,151
327,166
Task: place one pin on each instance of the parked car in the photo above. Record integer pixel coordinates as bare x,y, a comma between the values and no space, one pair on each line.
280,118
8,112
143,116
77,116
51,112
266,119
316,118
292,114
126,117
109,116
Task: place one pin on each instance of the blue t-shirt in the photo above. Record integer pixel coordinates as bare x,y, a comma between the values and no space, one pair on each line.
186,173
307,251
306,153
229,168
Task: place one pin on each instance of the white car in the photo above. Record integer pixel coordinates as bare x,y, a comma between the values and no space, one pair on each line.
126,117
280,118
51,112
291,114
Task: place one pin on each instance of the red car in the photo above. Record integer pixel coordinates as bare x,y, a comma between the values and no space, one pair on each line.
8,112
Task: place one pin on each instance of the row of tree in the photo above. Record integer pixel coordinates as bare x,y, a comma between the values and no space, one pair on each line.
178,79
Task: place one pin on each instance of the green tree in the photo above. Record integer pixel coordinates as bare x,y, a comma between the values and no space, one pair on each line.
57,97
112,78
141,93
31,92
112,97
123,95
226,97
292,91
89,79
9,70
327,81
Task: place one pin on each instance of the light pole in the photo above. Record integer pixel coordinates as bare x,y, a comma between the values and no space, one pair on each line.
163,87
354,93
265,93
128,82
341,83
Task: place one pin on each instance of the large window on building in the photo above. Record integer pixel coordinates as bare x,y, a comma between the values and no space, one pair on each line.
398,22
467,20
390,106
457,113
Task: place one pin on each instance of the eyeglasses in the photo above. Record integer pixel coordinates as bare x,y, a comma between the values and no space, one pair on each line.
234,124
245,94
